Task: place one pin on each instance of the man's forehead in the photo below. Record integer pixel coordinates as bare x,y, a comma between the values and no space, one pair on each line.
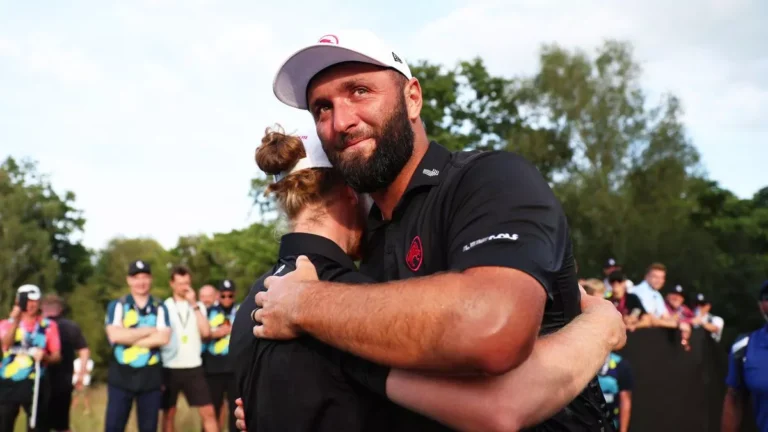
342,73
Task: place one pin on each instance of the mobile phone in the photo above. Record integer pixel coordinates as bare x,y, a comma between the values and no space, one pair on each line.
23,299
636,313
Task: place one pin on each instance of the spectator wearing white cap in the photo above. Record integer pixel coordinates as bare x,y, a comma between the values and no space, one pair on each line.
27,339
705,319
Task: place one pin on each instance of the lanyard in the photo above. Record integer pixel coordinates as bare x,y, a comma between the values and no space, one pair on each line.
185,320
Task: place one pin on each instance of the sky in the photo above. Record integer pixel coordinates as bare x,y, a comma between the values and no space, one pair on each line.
150,110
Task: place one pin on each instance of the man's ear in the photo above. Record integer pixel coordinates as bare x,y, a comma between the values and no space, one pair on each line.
413,98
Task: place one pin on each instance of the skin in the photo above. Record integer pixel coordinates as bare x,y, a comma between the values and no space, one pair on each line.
439,322
208,295
30,314
733,404
656,279
701,312
181,285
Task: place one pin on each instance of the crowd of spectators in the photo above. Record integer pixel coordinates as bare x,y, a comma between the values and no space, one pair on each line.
653,303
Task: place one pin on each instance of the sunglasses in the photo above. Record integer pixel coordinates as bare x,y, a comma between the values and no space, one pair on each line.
227,296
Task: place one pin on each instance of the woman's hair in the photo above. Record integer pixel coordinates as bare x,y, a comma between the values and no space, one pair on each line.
592,286
278,153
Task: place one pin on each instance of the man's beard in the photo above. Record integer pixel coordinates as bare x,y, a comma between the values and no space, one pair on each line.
394,146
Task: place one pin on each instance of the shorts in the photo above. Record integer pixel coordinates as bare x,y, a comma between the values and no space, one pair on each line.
59,407
189,381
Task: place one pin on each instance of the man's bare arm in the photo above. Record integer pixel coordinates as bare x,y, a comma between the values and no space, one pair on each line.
8,336
158,338
523,397
485,319
127,336
625,410
203,326
733,410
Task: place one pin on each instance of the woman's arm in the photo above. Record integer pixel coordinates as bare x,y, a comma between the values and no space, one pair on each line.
544,384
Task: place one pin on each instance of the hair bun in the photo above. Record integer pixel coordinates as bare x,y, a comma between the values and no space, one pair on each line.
279,151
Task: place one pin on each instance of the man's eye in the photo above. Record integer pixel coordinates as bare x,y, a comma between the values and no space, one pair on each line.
361,90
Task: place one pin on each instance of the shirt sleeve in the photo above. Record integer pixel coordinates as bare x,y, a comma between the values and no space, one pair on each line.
114,314
371,376
163,319
734,378
52,337
503,213
78,338
626,381
634,303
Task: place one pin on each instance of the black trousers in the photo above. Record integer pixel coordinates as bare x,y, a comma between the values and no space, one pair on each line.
9,411
219,385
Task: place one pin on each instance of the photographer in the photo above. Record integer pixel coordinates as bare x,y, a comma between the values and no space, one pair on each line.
26,353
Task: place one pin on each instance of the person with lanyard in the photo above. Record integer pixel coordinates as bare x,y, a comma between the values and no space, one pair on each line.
137,325
216,359
447,231
306,385
64,377
747,379
28,340
182,357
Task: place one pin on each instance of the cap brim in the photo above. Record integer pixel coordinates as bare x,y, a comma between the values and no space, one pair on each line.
33,296
293,77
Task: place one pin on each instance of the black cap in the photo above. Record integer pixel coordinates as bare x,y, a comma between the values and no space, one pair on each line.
611,263
677,289
616,276
226,285
139,266
764,291
701,299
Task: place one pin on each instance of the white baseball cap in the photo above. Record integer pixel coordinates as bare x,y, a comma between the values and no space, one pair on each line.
33,292
292,79
315,155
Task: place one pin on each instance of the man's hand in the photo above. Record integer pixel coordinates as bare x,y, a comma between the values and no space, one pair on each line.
277,307
79,382
240,415
190,296
37,354
597,305
15,312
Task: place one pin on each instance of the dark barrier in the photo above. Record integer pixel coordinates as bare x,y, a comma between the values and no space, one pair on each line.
675,390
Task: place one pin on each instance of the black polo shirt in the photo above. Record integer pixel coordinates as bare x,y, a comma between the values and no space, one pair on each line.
303,384
469,209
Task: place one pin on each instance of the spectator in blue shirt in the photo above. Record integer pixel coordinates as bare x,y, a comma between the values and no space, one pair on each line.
616,382
748,375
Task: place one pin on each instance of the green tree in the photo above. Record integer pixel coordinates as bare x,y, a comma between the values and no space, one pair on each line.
37,226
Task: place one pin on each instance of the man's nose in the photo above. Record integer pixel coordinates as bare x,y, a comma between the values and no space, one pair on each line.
344,118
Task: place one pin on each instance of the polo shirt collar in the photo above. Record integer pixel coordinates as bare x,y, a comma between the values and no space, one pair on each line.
429,172
295,244
430,169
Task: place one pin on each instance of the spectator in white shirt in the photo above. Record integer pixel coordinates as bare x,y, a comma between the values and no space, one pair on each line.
182,357
653,302
704,318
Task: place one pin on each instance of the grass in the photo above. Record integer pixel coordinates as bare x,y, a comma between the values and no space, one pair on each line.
187,420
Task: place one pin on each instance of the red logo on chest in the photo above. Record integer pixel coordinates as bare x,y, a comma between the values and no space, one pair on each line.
415,254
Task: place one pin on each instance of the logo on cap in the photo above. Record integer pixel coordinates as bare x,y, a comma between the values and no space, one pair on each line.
678,288
415,254
329,39
612,262
700,297
139,265
227,284
396,58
